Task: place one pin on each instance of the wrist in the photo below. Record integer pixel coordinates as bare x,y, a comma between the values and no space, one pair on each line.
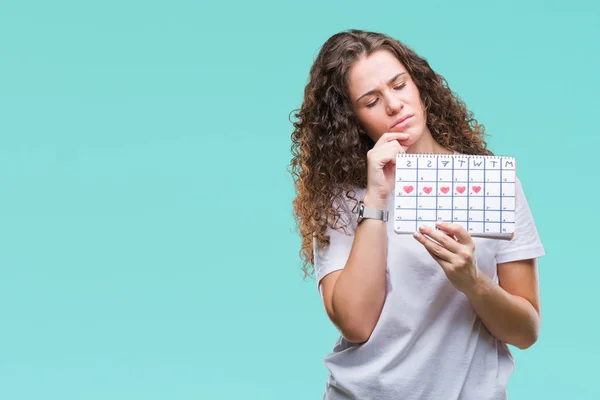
479,288
374,201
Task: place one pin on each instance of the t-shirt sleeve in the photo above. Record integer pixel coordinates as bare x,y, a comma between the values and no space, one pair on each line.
334,256
526,243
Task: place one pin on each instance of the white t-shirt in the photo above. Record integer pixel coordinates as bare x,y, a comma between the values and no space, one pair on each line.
428,343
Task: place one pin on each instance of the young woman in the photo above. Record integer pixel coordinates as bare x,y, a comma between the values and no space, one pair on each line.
427,316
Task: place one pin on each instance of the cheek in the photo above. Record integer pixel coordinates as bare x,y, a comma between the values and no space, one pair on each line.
368,118
371,122
418,103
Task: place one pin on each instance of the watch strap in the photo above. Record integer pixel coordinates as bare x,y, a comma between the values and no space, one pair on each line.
371,213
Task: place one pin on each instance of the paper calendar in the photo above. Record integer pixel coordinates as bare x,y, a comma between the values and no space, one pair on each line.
475,191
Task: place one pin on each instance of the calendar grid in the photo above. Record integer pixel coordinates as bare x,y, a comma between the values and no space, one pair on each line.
433,190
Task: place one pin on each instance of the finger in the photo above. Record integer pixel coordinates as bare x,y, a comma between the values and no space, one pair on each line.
436,250
401,148
458,231
391,136
446,265
392,149
385,153
441,237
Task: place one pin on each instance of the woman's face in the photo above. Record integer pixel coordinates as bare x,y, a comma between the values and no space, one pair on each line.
385,98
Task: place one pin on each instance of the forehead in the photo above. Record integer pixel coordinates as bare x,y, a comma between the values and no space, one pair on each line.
372,71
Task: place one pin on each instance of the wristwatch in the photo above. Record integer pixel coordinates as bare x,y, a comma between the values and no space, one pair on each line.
368,212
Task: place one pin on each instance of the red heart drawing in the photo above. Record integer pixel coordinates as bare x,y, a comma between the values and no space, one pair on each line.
476,189
427,189
460,189
408,189
445,189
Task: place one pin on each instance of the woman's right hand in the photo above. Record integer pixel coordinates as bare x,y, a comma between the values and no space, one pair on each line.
381,168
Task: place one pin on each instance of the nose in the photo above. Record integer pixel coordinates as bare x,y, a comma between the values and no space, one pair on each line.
394,104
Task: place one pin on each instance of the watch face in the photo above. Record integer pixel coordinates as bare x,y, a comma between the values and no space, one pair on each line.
361,208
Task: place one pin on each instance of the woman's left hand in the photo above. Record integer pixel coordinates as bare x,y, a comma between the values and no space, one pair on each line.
455,253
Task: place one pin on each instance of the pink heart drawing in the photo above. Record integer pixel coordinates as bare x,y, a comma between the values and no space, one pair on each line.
461,189
427,189
476,189
408,189
445,189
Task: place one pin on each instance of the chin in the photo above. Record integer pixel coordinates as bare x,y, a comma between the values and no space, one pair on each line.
412,138
415,133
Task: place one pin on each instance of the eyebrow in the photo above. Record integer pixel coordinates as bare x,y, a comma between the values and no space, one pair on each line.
370,92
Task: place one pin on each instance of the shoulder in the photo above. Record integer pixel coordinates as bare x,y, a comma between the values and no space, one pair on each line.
526,243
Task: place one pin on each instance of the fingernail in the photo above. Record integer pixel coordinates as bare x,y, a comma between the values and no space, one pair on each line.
421,227
416,234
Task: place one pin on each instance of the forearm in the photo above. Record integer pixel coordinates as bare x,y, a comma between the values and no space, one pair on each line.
511,319
359,292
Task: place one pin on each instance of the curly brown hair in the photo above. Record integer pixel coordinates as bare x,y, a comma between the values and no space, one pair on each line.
329,151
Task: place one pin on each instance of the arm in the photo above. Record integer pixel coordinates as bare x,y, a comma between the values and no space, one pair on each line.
510,310
354,296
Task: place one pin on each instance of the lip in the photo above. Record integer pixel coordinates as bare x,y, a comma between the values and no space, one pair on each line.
402,121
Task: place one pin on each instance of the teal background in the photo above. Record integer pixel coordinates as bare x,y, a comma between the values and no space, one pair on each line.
148,249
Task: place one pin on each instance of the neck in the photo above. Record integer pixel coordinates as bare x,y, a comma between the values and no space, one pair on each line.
427,144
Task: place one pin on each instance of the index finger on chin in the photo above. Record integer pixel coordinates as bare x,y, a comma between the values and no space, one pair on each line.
396,136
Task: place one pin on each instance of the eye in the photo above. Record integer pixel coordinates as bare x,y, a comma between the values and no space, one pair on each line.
400,86
371,105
